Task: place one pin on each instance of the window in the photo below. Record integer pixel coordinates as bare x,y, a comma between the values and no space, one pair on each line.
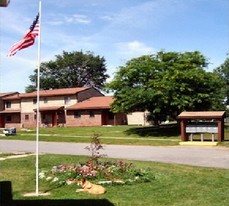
110,115
34,101
67,100
91,114
26,117
35,116
44,116
77,115
45,100
8,118
8,104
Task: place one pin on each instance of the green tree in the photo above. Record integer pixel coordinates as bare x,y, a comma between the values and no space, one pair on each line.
166,84
71,69
223,71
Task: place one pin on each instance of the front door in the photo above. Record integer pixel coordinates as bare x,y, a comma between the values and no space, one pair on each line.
54,119
104,117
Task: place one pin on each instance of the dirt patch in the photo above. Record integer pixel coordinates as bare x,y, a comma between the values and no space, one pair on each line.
15,155
34,194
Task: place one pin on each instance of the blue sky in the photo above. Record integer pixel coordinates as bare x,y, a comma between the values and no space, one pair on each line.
116,29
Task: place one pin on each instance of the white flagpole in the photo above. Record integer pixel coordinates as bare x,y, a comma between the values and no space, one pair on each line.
38,103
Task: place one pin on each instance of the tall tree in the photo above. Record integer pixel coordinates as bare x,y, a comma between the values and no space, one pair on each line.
166,84
223,71
71,69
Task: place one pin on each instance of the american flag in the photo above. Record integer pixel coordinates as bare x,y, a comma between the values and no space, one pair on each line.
28,39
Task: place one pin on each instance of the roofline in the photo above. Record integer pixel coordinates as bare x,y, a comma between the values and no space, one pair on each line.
202,115
7,94
87,108
10,111
34,94
51,108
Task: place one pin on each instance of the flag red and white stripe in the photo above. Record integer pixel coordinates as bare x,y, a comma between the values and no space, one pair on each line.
28,39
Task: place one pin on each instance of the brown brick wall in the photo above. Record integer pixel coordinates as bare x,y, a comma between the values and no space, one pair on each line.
100,118
84,119
120,119
10,125
14,122
30,122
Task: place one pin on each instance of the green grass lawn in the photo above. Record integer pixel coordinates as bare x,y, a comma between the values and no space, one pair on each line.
173,184
168,135
133,135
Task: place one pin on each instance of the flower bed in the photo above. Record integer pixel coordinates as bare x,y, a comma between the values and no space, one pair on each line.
106,172
99,172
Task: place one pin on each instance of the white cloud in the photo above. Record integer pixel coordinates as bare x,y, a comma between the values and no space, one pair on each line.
14,71
17,25
62,19
107,17
133,49
77,19
116,29
143,14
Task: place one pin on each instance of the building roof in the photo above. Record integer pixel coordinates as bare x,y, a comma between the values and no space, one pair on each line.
48,93
4,95
10,111
55,92
101,102
54,108
201,115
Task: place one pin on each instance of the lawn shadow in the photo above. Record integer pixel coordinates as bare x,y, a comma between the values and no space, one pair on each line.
7,200
168,130
48,202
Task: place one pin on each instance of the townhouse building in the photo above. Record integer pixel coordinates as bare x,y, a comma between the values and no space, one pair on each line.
2,106
80,106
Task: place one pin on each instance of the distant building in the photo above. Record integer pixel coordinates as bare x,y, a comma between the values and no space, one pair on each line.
94,111
80,106
2,106
138,118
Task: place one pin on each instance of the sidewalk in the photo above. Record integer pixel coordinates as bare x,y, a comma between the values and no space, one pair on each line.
206,156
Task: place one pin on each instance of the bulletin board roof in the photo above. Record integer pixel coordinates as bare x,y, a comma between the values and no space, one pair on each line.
202,115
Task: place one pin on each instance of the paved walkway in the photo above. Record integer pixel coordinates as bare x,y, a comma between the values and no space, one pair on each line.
206,156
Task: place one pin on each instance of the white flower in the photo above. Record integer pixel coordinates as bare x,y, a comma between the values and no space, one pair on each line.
54,169
48,178
55,179
41,175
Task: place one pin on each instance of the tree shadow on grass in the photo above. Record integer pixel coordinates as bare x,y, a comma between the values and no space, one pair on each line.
155,131
83,202
6,199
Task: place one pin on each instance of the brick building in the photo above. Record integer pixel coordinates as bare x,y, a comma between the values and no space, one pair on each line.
80,106
94,112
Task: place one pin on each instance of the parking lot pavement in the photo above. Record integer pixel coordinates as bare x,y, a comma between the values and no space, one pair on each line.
206,156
